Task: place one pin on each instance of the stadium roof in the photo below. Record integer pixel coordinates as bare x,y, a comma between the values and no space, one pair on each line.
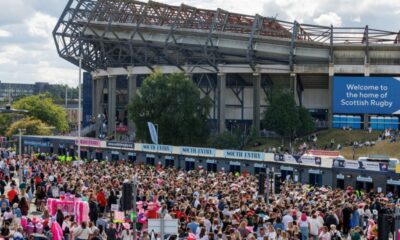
123,33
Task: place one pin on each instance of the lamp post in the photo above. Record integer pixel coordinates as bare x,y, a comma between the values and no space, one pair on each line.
134,189
20,130
79,107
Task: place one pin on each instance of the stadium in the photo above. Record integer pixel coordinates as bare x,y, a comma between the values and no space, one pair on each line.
233,59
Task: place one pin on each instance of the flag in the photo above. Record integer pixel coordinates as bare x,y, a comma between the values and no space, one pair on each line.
153,132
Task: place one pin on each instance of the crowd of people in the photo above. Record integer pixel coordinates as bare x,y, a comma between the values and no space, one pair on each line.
207,205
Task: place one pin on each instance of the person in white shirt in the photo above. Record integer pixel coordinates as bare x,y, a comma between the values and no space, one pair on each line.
271,233
315,225
82,232
286,219
325,235
261,234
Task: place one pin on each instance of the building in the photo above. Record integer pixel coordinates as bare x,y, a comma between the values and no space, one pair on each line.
233,59
14,91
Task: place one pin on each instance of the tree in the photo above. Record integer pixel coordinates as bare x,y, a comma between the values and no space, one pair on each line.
174,103
41,107
225,140
282,115
5,122
307,124
31,125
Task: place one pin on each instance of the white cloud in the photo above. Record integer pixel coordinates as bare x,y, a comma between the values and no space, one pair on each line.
41,25
4,33
357,19
28,54
328,19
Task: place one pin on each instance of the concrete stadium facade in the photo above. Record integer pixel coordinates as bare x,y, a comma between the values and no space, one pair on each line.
233,58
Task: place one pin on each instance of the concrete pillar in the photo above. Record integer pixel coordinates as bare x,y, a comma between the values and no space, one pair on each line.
293,87
98,87
256,101
221,92
366,74
112,97
330,94
132,88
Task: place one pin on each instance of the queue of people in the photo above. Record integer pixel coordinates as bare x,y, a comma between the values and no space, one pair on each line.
207,205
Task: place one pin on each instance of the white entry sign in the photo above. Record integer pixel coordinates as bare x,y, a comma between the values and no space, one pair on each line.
170,226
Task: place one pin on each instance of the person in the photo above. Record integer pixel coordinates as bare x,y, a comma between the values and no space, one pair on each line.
193,225
66,227
315,226
111,232
23,205
59,217
8,216
278,224
356,233
243,229
5,231
126,235
82,232
355,218
261,234
272,235
335,234
4,203
286,219
93,209
324,234
346,213
304,226
18,234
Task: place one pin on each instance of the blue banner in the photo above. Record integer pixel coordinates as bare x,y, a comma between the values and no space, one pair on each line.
372,95
153,132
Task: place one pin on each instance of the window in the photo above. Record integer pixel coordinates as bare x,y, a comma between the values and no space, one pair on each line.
315,179
211,167
150,160
234,169
189,165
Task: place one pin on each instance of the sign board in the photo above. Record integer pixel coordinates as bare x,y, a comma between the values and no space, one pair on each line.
206,152
323,153
393,182
373,95
350,164
36,143
120,144
311,160
157,148
285,158
88,142
364,179
170,226
245,155
114,207
119,217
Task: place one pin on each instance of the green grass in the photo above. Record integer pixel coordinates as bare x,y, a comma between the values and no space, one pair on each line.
345,138
382,147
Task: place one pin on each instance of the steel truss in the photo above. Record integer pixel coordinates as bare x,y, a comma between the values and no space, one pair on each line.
99,51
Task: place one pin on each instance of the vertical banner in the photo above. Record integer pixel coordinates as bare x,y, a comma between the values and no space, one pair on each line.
153,132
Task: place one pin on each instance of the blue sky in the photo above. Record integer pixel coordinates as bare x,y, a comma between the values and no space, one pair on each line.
27,52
